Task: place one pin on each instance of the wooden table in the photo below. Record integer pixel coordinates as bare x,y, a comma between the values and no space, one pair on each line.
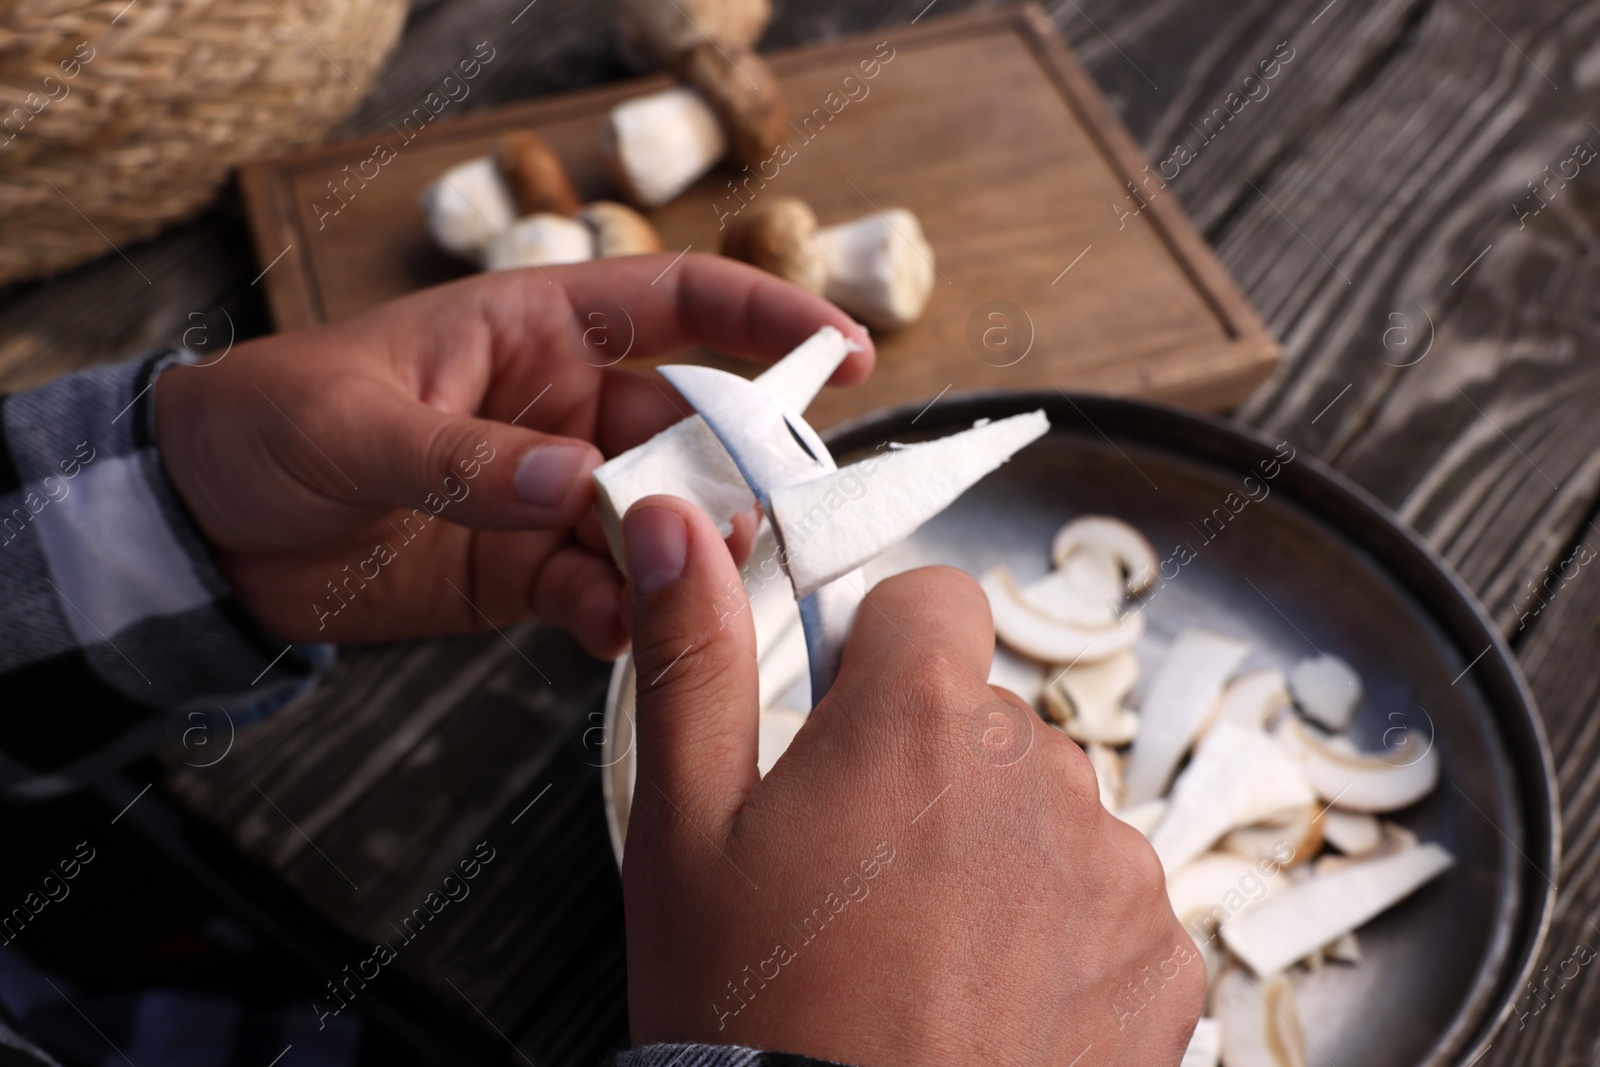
1440,341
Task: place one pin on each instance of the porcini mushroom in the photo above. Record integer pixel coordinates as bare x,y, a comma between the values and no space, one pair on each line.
1114,538
1252,699
540,241
1181,695
744,92
619,230
535,176
1061,594
1353,833
1288,840
1260,1023
880,268
779,236
651,32
468,208
1048,638
1086,700
1327,689
1396,778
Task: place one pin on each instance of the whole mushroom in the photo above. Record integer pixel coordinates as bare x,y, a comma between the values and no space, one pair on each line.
535,176
780,236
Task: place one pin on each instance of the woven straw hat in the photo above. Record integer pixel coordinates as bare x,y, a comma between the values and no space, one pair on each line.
117,118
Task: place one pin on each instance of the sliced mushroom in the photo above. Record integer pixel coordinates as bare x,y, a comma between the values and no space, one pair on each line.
619,230
1353,833
1399,777
1113,537
661,144
1260,1022
774,734
540,241
1023,677
880,268
1108,773
535,176
1096,575
1205,1045
1393,840
468,207
1086,700
1290,839
1237,777
1060,594
744,92
1327,689
780,236
1216,887
1316,912
652,32
1143,817
1253,699
1182,692
1048,639
871,506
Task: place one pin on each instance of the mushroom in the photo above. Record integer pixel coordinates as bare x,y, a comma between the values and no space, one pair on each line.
775,732
1353,833
1114,538
619,230
652,32
1320,910
1181,695
1400,776
1252,699
1143,817
1061,594
1205,1045
893,494
1237,777
1393,839
1108,773
661,144
540,241
1260,1023
1327,689
686,460
1023,677
534,175
468,208
1046,637
1299,830
1096,575
880,268
1086,700
779,236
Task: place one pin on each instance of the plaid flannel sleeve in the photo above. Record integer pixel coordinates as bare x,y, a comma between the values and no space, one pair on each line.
712,1056
115,624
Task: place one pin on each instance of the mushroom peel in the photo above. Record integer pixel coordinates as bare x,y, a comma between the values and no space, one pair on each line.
1205,1045
534,175
871,506
1353,833
1237,777
1182,692
468,207
1397,778
880,268
779,236
1327,689
1048,639
661,144
619,230
1319,910
1115,538
687,460
1260,1023
1091,695
774,734
540,241
653,31
1253,698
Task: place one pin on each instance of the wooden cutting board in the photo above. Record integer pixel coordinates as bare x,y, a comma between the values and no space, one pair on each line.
1063,261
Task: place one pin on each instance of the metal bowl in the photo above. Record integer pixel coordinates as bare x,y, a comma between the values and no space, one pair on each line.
1299,562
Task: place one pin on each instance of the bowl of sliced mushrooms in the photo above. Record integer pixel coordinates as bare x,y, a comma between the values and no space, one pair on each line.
1326,742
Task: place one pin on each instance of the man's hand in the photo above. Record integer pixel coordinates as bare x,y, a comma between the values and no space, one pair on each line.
926,877
423,468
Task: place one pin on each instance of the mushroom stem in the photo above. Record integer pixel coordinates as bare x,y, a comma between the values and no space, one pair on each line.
540,241
880,268
468,207
663,143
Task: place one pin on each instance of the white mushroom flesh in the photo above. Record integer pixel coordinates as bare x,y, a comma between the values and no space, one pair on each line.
540,241
1396,778
1113,537
1260,1022
1253,699
1182,693
1327,689
1060,594
1205,1045
1107,773
666,142
1094,695
880,267
1047,639
1024,677
1353,833
468,208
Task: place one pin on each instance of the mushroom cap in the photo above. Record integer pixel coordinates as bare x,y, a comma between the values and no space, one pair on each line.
619,230
651,32
778,235
744,92
535,176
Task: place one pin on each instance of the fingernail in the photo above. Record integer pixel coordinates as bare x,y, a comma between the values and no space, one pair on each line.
546,474
657,544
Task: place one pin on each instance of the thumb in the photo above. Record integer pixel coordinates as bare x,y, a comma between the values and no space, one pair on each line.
492,474
694,655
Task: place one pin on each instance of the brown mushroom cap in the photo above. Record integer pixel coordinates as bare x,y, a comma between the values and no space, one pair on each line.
657,31
744,92
537,180
619,230
779,236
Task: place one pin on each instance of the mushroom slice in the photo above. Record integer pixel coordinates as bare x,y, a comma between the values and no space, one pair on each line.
1215,888
1260,1021
1398,777
1327,689
1048,639
1289,840
1320,910
1087,700
1353,833
1237,777
779,236
686,460
619,230
880,268
540,241
784,666
1023,677
1113,537
1143,817
846,518
663,143
774,733
1060,594
468,207
1393,840
1253,698
1108,773
1205,1045
1181,694
535,176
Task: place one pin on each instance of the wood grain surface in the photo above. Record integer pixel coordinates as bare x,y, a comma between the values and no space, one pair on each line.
1369,206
